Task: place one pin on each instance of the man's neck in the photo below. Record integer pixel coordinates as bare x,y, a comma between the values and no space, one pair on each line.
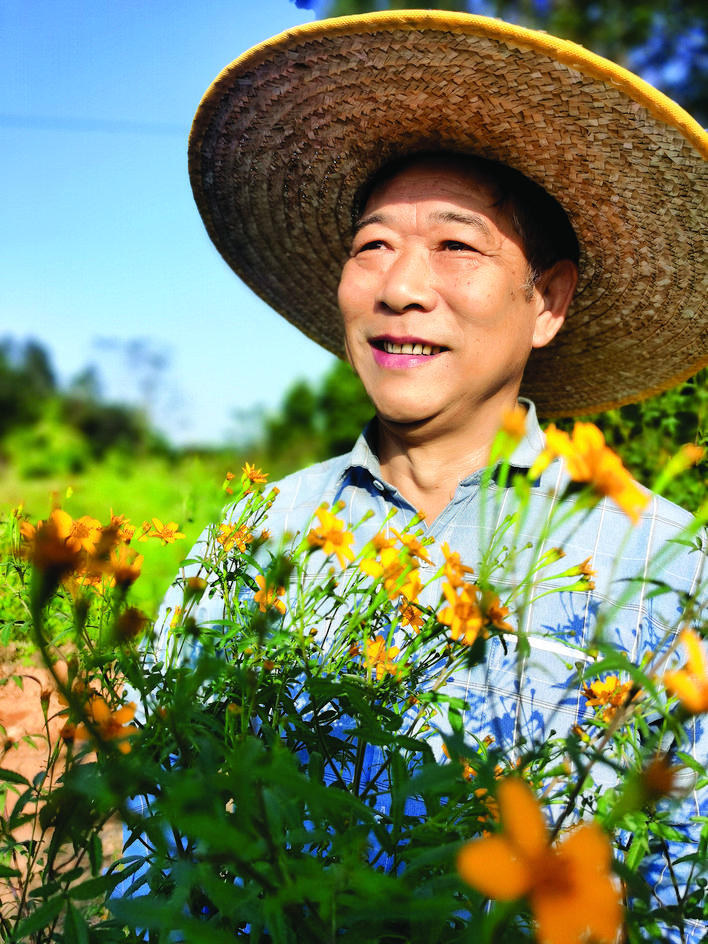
427,465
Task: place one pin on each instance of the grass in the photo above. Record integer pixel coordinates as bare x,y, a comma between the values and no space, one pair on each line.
187,491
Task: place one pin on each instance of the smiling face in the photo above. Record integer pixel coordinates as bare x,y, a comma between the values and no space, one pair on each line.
439,317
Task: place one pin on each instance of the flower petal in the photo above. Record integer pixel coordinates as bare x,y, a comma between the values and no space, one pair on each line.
522,818
492,866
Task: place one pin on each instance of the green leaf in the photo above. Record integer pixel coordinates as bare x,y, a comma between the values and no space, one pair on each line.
43,916
9,776
76,930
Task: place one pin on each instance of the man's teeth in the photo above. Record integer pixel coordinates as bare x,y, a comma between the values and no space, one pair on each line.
392,348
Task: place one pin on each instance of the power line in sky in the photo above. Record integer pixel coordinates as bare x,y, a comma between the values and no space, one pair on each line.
91,125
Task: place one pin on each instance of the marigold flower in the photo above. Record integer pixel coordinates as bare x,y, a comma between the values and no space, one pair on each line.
514,423
130,624
415,546
230,536
588,459
331,536
464,614
167,533
411,616
609,694
494,613
125,565
254,475
569,886
268,597
380,659
454,570
109,725
658,778
396,572
690,683
48,546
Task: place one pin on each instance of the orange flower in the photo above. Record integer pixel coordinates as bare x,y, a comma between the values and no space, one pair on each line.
494,613
253,475
514,423
266,598
691,682
130,624
108,725
380,659
125,565
588,459
569,886
463,615
415,547
411,616
609,694
167,533
230,536
49,545
331,536
454,570
396,572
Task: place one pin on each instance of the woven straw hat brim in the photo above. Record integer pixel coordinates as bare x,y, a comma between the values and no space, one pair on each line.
288,133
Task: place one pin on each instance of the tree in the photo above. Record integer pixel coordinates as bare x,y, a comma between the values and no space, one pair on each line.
665,42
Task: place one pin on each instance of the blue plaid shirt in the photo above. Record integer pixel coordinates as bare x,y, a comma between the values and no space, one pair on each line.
504,700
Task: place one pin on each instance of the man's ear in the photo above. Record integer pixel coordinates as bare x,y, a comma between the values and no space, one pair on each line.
555,289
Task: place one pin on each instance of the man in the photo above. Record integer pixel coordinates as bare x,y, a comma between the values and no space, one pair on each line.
451,143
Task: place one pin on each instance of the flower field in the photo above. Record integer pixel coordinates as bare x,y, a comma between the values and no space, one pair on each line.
286,749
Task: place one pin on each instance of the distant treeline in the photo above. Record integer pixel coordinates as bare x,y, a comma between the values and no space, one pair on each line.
47,430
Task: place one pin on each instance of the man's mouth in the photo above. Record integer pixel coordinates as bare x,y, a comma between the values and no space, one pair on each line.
408,347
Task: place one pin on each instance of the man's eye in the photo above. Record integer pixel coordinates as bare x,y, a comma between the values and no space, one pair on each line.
455,245
370,245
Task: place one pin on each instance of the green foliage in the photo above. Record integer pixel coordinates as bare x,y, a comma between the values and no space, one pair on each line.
315,422
284,757
648,433
45,430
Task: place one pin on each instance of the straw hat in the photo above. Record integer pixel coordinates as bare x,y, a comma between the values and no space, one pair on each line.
287,134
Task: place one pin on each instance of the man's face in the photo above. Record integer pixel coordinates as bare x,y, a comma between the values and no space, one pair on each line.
438,317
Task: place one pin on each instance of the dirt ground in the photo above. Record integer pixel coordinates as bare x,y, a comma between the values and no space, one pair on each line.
21,716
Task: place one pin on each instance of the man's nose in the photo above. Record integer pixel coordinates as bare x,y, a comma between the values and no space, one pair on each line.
408,283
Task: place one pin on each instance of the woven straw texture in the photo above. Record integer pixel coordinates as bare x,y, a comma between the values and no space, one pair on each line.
287,134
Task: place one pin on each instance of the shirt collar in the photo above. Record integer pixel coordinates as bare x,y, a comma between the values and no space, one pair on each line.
363,455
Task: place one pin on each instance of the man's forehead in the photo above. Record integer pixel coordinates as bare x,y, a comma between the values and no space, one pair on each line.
444,174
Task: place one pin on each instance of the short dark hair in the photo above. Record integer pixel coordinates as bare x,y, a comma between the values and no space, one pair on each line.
538,219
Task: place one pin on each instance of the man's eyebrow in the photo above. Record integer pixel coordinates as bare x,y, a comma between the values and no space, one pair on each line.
467,219
367,221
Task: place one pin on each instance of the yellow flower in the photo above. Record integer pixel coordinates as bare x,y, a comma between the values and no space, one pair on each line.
109,725
331,536
691,682
454,570
49,545
415,547
266,598
380,659
253,475
609,694
230,536
514,423
588,459
463,615
569,886
167,533
494,613
411,616
396,572
125,565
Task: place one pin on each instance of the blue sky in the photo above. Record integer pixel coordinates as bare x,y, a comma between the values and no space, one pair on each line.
102,242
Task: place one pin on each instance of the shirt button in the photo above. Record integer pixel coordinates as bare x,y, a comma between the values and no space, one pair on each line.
378,485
